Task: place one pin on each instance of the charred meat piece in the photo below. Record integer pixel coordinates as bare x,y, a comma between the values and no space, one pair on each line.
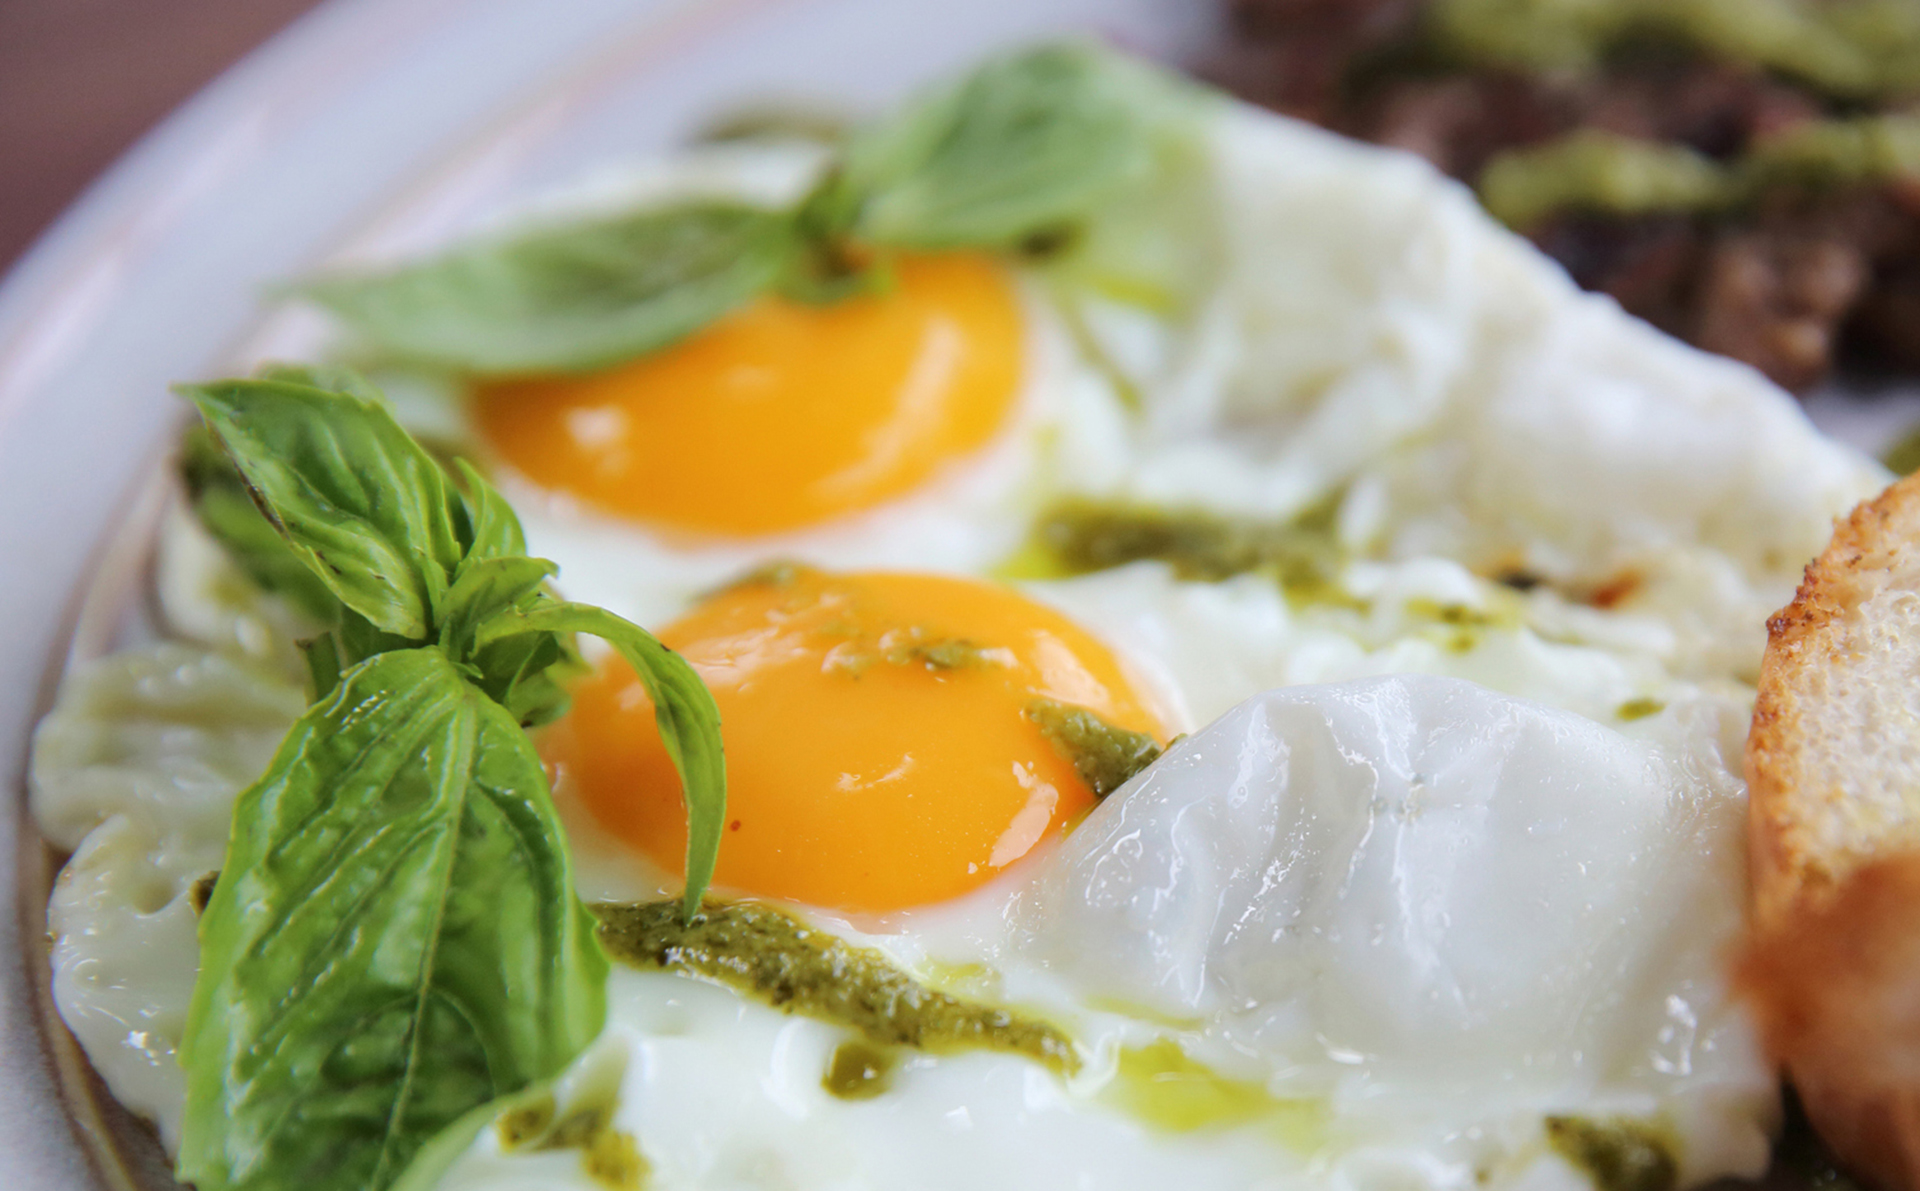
1293,56
1457,121
1647,263
1775,298
1779,278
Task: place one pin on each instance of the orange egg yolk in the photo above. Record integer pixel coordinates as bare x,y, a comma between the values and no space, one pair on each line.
782,414
878,754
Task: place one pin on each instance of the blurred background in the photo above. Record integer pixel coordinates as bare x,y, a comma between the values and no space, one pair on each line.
1712,183
81,80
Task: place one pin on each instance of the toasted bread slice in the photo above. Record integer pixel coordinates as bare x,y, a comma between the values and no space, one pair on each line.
1833,763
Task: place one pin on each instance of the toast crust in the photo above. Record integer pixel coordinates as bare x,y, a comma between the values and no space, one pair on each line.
1807,827
1832,965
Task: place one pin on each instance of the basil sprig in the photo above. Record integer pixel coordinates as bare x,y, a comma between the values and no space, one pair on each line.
1023,150
394,939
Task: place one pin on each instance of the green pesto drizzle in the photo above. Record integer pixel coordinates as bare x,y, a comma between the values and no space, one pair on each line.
1590,170
201,891
1618,1154
1639,709
1848,48
1078,537
1161,1085
770,955
609,1156
914,647
1105,755
1903,457
858,1070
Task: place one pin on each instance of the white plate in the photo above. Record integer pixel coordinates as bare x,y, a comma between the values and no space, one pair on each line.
369,120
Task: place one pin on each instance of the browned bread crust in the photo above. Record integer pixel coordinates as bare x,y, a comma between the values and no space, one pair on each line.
1833,763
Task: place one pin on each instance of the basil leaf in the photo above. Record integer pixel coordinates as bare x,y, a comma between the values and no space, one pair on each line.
568,298
223,506
336,378
393,942
528,674
484,588
1024,146
360,503
437,1157
682,707
489,527
352,640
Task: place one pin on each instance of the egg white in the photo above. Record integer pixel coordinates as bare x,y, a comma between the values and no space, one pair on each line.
1347,325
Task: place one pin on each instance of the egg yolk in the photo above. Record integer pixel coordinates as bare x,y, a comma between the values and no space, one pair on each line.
782,414
878,751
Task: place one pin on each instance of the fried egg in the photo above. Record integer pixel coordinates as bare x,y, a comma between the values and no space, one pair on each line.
1441,873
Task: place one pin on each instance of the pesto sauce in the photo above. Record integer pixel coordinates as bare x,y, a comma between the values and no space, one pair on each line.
1857,49
1903,457
770,955
609,1156
201,891
1105,755
1639,709
1830,153
1079,537
1161,1085
1590,170
933,653
858,1070
1617,1154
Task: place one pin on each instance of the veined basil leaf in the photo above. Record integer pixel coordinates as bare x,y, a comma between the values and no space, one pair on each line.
682,707
528,674
336,378
482,589
568,298
394,940
359,501
226,510
1026,145
489,527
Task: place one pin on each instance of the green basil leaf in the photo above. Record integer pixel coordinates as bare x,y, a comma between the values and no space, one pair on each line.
394,940
482,589
570,297
368,511
433,1160
223,506
682,707
528,675
336,378
489,527
1025,146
